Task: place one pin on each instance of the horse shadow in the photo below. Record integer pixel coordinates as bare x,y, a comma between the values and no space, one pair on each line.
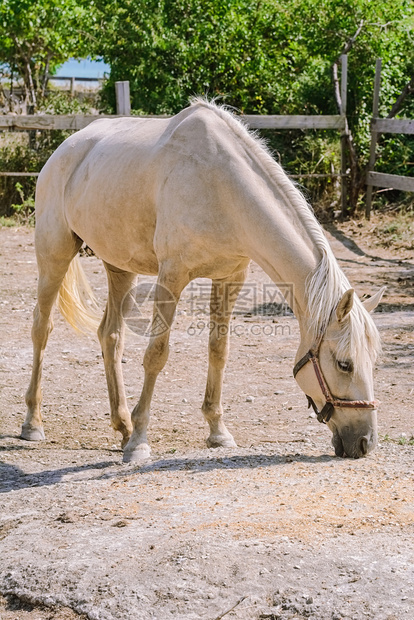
354,247
13,478
235,462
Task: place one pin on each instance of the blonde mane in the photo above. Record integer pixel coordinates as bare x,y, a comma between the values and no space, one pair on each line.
326,285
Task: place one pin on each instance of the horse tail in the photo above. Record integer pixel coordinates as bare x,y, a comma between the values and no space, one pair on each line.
77,302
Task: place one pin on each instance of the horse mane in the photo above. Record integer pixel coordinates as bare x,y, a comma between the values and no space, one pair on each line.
326,285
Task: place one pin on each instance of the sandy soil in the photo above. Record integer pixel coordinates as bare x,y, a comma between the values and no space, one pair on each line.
277,528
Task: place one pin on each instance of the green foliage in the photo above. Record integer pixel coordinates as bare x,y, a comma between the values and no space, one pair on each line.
237,49
38,35
24,211
16,155
29,152
265,57
396,155
309,152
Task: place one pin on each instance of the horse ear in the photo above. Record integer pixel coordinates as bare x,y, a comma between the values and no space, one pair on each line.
345,305
371,303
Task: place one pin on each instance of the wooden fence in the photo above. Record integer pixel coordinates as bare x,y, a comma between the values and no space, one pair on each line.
378,126
79,121
76,121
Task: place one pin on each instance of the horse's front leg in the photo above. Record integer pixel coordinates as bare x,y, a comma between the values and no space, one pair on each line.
224,294
169,287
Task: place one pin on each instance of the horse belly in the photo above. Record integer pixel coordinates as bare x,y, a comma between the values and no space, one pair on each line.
113,212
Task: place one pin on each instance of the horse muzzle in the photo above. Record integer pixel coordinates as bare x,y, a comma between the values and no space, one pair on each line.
353,444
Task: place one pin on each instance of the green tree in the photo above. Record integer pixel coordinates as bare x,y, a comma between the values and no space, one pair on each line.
38,35
366,31
170,50
261,56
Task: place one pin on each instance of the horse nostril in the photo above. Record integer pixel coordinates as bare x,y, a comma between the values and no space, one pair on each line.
363,446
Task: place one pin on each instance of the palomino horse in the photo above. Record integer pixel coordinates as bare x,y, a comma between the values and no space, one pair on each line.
194,196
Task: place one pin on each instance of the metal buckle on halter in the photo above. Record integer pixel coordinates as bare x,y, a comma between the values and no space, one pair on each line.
325,414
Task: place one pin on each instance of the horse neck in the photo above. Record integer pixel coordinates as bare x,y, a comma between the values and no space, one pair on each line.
288,251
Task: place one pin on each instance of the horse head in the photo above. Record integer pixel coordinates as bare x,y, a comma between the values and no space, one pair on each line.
336,374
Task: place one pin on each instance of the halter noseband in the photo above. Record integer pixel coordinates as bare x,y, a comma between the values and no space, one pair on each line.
325,414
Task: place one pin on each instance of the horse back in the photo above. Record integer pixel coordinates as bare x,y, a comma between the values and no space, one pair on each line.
139,189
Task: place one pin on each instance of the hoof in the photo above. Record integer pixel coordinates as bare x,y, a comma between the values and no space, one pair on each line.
31,433
138,454
221,441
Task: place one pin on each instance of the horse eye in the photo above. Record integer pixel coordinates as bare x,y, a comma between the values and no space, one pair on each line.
345,366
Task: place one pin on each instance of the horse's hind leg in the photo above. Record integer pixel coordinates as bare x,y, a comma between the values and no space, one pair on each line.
53,263
171,281
111,336
224,294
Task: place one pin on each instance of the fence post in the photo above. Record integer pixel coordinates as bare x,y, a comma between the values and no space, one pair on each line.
344,79
374,136
123,102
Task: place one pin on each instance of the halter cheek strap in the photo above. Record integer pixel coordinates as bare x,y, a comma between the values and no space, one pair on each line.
330,401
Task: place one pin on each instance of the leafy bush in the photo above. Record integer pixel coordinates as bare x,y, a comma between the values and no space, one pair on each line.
264,57
309,152
29,151
24,210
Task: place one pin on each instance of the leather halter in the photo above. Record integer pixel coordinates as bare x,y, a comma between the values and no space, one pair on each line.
325,414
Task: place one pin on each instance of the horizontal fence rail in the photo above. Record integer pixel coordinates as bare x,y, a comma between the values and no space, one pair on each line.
48,121
394,181
19,174
79,121
393,125
305,175
294,122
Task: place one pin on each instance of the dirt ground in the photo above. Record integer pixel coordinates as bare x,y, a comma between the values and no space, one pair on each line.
277,528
